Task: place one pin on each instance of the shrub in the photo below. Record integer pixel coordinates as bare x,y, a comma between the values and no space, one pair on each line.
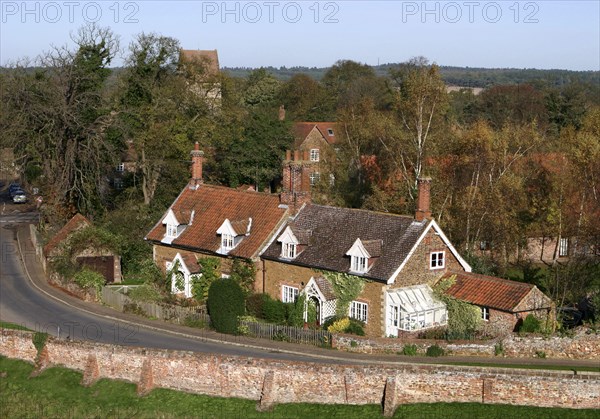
540,354
356,327
225,303
88,279
339,326
296,312
145,293
330,321
435,351
193,321
255,305
409,350
531,324
498,349
434,333
274,311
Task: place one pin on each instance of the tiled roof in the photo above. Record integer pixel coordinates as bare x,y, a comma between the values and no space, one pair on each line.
334,230
326,288
191,263
488,291
302,129
208,57
211,206
78,221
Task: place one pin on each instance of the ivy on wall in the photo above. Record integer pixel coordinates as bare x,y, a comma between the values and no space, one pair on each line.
463,318
346,289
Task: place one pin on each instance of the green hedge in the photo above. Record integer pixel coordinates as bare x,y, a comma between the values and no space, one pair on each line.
225,304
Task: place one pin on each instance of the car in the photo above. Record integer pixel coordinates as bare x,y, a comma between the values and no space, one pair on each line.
13,186
20,198
17,191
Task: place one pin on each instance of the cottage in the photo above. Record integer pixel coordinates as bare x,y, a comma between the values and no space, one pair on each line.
317,142
207,220
104,261
503,303
398,257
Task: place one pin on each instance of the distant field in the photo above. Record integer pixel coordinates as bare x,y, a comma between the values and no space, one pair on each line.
56,393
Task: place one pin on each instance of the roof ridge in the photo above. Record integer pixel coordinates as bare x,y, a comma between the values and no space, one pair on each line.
489,278
364,210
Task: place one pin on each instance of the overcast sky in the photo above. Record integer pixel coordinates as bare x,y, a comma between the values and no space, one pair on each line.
518,34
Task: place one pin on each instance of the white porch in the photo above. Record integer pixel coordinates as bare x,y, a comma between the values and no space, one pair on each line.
413,308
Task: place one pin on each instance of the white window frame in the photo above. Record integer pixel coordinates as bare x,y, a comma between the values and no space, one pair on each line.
360,264
485,314
288,250
171,230
315,154
563,247
121,167
289,294
314,177
437,260
359,311
227,241
330,132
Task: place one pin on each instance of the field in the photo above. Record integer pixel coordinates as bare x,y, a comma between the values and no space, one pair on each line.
57,393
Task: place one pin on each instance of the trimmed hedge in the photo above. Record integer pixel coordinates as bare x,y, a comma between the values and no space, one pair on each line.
225,304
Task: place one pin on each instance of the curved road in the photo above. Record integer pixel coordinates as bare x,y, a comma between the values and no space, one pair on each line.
27,299
33,305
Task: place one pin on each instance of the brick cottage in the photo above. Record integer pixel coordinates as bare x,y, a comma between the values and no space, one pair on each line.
292,242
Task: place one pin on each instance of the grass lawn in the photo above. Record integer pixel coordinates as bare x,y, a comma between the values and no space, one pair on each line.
57,393
14,326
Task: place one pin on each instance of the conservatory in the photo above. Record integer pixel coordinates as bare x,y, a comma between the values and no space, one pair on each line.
413,308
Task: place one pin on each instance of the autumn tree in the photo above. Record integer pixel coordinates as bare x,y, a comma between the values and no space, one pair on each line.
62,111
421,101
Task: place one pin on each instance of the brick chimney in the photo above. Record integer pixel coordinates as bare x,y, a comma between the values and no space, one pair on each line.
282,113
296,180
197,157
423,200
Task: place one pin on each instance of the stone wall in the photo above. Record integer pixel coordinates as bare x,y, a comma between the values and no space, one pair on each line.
273,381
583,345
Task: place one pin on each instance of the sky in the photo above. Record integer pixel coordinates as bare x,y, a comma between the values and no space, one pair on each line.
494,34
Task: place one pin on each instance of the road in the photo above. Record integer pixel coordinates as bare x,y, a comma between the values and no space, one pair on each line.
22,302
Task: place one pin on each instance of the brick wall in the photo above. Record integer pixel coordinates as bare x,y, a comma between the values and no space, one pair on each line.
583,345
416,271
272,381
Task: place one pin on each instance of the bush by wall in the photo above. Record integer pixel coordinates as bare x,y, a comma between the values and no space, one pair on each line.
225,303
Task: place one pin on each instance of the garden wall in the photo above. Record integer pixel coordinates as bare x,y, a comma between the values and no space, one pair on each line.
584,344
273,381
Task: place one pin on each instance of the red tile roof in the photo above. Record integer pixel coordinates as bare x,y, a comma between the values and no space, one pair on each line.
78,221
488,291
302,129
209,58
211,205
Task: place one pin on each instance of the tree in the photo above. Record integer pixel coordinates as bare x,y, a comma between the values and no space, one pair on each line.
62,111
160,113
304,99
420,102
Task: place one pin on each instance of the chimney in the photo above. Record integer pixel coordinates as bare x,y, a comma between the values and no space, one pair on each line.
282,113
296,183
197,157
423,200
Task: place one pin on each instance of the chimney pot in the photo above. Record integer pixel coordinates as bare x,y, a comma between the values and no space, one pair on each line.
288,155
296,155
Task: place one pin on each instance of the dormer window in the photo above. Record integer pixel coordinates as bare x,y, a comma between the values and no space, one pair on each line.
173,227
293,242
289,250
171,230
314,154
232,233
227,241
362,255
359,264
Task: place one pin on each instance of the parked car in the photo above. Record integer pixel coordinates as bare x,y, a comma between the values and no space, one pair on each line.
20,198
17,191
13,187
